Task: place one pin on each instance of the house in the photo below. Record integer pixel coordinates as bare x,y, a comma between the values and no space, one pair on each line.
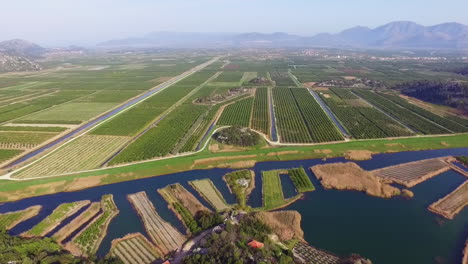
255,244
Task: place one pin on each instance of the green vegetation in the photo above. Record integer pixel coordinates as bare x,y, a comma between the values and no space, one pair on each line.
59,214
11,219
237,136
282,78
90,238
188,219
321,128
240,184
301,180
210,193
23,139
6,154
272,189
291,126
463,159
230,246
406,116
230,76
237,114
261,111
32,128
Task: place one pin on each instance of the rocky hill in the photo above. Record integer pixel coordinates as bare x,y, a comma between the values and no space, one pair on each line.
19,55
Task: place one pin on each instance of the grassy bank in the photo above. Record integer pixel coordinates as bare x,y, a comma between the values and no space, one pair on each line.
14,190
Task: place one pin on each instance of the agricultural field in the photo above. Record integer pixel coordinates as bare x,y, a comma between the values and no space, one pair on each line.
210,193
77,222
237,114
166,237
93,152
291,126
282,78
453,203
261,111
240,183
301,180
11,219
272,190
230,76
135,249
59,214
184,205
7,154
412,173
89,239
408,117
23,140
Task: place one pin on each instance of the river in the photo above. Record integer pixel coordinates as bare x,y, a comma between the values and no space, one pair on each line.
387,231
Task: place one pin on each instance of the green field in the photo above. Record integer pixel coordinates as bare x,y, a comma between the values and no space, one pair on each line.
272,190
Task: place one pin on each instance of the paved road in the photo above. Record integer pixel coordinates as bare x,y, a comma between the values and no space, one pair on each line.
108,115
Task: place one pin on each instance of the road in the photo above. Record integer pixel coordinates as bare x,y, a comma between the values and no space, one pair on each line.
93,123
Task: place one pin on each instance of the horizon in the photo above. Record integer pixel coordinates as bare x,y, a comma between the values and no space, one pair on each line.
61,23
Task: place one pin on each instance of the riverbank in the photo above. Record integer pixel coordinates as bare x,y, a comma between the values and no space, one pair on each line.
16,190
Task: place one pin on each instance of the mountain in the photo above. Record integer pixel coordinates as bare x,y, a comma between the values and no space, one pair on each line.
10,63
19,47
394,35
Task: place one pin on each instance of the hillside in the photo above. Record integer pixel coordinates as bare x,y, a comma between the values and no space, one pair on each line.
394,35
10,63
19,55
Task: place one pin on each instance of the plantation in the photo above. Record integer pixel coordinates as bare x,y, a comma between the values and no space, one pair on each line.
59,214
135,248
92,150
89,239
272,190
282,78
11,219
22,140
301,180
406,116
6,154
32,128
230,76
166,237
261,111
291,126
320,126
237,114
92,211
210,193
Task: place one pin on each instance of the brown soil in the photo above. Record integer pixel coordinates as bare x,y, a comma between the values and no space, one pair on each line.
238,164
358,155
309,84
286,224
323,151
357,102
209,161
186,198
279,153
453,203
226,148
407,193
326,95
349,176
349,77
78,222
320,89
83,183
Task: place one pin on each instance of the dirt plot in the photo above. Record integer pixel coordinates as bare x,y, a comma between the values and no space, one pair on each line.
349,176
453,203
177,193
208,161
134,249
210,193
78,222
411,173
286,224
166,237
358,155
12,219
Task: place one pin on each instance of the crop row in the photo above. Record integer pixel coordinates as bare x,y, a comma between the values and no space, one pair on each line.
301,180
92,151
230,76
210,193
237,114
320,126
160,140
135,248
166,237
291,126
261,111
272,189
12,219
31,138
91,236
281,78
447,123
59,214
406,116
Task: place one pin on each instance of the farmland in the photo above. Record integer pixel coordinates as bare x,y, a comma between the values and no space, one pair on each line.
453,203
93,150
11,219
281,78
59,214
135,248
89,239
237,114
261,111
272,190
301,180
166,237
210,193
79,221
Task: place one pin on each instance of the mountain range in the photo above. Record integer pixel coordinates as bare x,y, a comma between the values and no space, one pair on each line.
394,35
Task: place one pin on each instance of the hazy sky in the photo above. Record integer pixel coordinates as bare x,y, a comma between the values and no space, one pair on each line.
86,22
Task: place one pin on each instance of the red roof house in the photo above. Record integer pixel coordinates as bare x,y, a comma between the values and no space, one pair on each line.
255,244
